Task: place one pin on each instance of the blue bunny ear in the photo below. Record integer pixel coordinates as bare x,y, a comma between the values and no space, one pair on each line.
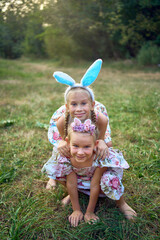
92,73
64,78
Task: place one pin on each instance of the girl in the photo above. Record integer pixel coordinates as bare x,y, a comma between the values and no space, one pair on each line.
79,102
94,176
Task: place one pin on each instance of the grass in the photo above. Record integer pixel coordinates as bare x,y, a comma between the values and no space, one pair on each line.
28,97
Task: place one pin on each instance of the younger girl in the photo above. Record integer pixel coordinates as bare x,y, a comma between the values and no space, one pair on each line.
80,103
94,176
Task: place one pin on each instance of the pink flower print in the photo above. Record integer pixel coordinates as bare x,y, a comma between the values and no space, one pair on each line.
55,136
117,162
114,183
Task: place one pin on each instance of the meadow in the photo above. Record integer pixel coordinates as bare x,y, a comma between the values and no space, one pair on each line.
28,97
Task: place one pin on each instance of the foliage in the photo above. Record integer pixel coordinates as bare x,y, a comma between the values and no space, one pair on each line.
21,26
78,29
33,44
149,54
107,28
58,44
28,98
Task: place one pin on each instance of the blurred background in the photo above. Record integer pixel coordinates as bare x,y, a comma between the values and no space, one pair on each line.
75,30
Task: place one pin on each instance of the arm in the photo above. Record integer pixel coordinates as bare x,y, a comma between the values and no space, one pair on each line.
102,148
94,193
102,125
60,125
53,133
99,107
77,215
63,147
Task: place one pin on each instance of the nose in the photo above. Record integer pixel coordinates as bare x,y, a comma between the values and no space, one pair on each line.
80,151
78,107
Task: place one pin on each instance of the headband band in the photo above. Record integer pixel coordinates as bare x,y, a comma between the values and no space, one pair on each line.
88,78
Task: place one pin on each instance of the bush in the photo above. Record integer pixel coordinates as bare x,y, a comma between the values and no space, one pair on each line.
149,54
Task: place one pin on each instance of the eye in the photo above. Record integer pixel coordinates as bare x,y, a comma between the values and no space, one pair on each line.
74,104
87,146
84,103
74,145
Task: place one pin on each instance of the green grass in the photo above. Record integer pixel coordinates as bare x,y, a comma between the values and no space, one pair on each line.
28,97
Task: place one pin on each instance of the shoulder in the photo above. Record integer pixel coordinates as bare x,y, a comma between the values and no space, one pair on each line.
60,122
99,107
101,119
58,113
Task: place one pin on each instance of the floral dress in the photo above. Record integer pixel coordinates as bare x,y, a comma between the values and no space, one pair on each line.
53,134
59,167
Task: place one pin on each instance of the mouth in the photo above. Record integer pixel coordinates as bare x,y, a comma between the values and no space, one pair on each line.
80,158
79,115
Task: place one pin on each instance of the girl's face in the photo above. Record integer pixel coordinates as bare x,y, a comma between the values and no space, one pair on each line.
79,104
82,146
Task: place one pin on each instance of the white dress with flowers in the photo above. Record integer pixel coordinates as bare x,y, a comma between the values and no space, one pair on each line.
59,167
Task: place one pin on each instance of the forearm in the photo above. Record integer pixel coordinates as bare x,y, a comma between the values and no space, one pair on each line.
73,190
94,193
95,188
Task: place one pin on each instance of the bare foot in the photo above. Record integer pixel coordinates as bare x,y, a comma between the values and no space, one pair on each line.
51,184
65,201
129,213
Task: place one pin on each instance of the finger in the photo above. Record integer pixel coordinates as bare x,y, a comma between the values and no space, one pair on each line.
62,153
107,152
101,154
75,222
69,218
104,155
98,154
72,221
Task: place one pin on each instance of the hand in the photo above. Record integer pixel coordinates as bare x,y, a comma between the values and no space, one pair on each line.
102,150
64,149
90,217
75,218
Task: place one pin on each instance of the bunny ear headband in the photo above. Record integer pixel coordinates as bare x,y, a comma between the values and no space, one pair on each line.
86,127
88,78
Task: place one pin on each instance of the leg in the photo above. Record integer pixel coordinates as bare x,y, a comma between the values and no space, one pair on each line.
66,200
129,213
51,184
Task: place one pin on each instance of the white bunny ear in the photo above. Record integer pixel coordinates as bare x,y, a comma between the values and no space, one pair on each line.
88,122
64,78
92,73
77,121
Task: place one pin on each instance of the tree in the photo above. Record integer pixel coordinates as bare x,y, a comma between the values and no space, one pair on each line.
16,19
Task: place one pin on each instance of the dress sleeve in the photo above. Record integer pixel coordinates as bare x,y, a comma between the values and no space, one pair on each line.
53,134
99,107
57,166
115,160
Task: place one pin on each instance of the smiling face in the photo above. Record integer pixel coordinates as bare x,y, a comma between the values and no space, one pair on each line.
79,104
82,148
